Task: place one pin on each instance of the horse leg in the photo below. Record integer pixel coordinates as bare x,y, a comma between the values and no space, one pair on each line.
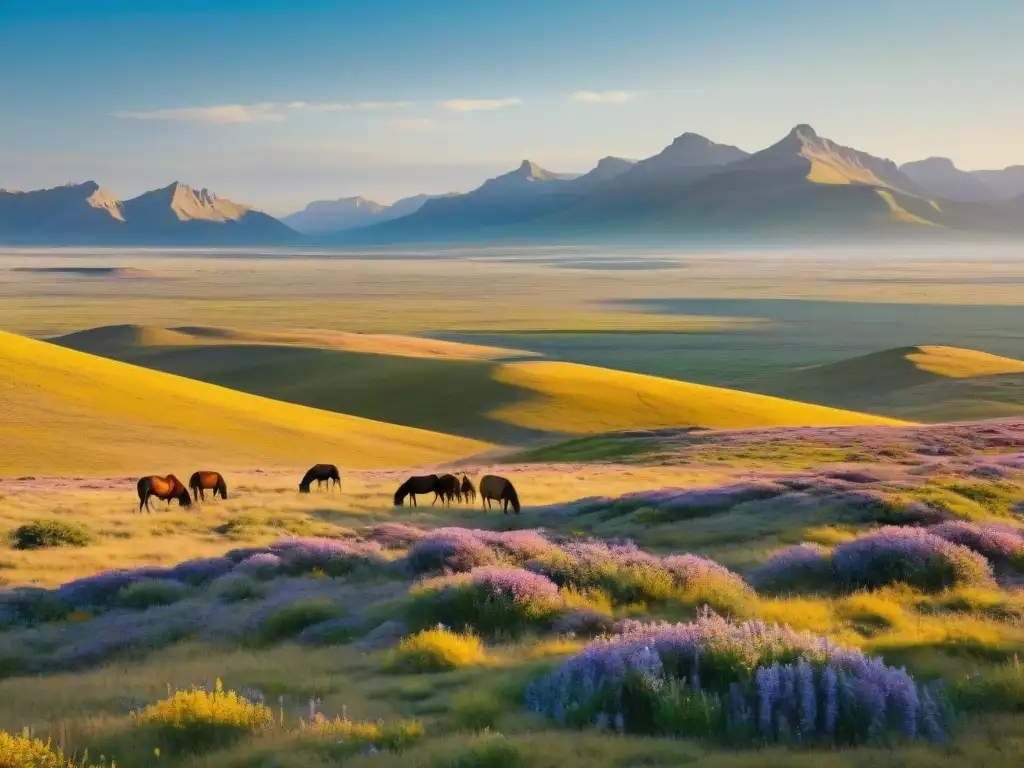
413,496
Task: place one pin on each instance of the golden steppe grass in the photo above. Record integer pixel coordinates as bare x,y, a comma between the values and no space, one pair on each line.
67,413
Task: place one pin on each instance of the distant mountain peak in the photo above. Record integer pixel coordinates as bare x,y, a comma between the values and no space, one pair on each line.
804,131
530,170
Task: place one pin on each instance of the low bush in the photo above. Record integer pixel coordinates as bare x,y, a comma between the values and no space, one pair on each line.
744,682
1001,545
146,594
236,588
449,549
332,557
438,649
476,710
910,556
32,605
491,600
393,736
197,720
999,689
491,751
801,569
290,620
23,751
50,533
261,565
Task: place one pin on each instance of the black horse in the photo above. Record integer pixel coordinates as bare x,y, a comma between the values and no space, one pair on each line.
322,473
498,489
416,485
467,492
447,489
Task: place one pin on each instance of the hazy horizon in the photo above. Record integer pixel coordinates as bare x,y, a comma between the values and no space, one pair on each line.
286,103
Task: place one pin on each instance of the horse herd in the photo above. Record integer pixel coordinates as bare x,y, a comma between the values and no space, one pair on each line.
446,488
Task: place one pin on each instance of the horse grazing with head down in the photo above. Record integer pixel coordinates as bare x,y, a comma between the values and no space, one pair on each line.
322,473
466,491
416,485
497,488
207,481
164,488
447,489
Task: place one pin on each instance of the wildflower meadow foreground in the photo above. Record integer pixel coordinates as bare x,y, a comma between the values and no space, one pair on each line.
867,611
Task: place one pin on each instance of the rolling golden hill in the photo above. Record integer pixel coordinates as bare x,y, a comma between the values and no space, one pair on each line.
65,412
580,400
926,383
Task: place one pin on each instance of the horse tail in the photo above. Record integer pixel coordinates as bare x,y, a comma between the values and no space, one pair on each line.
222,487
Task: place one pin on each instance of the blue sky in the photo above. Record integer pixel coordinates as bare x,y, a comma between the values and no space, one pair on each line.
278,102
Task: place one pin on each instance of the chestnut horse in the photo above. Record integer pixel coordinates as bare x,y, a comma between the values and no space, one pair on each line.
498,489
164,488
467,492
209,481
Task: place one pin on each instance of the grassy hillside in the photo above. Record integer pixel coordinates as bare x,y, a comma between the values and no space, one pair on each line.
928,383
65,412
580,399
506,402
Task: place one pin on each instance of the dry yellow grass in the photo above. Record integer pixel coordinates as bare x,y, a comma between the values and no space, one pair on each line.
121,336
579,399
956,363
64,412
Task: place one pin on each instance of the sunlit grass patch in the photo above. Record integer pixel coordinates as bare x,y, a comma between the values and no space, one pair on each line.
395,736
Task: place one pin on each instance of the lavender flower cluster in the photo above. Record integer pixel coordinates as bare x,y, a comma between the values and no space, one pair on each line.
752,681
335,557
908,555
461,549
1000,544
800,568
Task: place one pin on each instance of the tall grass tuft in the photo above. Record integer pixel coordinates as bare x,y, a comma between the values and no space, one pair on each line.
50,533
394,736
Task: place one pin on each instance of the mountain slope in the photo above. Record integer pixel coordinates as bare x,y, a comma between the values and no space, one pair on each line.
64,412
927,383
326,216
66,212
941,178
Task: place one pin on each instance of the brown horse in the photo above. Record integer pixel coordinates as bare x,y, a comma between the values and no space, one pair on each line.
209,481
322,473
498,489
416,485
164,488
447,489
467,492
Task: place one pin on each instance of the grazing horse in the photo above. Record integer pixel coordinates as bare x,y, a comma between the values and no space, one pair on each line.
467,492
208,481
416,485
322,473
498,489
447,489
164,488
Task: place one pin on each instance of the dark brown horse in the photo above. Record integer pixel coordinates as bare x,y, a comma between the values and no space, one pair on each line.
416,485
498,489
322,473
467,492
447,489
164,488
207,481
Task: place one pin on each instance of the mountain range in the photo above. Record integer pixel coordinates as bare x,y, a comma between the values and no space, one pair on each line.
175,214
803,185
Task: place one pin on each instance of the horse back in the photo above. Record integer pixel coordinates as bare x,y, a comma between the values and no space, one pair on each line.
494,487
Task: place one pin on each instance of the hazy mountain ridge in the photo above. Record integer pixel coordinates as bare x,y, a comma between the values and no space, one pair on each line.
804,184
175,214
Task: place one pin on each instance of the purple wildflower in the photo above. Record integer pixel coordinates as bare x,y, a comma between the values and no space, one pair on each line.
395,535
798,568
261,565
333,556
997,543
449,549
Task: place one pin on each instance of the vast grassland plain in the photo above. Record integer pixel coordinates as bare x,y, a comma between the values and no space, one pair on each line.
768,431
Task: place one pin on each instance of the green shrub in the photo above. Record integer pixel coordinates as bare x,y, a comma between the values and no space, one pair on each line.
492,751
994,690
146,594
291,619
476,710
437,649
195,720
50,533
236,589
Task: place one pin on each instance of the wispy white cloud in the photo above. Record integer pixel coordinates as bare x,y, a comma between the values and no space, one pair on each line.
475,105
600,97
222,114
265,112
